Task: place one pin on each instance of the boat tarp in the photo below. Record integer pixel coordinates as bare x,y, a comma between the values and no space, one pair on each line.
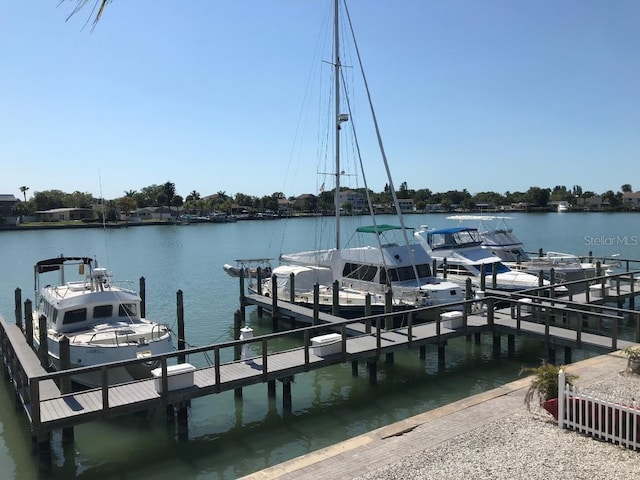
53,264
377,228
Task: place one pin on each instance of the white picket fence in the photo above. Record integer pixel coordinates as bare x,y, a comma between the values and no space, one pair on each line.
602,419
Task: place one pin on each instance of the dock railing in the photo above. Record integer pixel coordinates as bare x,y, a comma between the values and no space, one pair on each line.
604,419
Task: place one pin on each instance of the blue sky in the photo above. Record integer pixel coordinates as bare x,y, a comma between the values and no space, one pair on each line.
484,95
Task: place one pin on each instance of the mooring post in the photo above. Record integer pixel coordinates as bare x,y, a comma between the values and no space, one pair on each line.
367,312
423,352
286,395
183,421
373,370
274,302
511,344
18,307
335,297
445,267
28,322
496,345
477,338
354,368
316,304
143,298
552,355
44,452
237,324
43,350
292,288
65,382
388,308
243,301
271,388
483,278
181,337
259,287
494,277
441,355
567,355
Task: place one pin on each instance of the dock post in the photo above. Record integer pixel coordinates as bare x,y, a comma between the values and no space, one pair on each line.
274,302
243,301
183,421
567,355
28,322
259,288
590,256
236,335
494,278
316,304
637,315
18,305
180,316
292,288
388,308
65,382
286,394
483,278
632,297
43,350
477,337
511,345
373,370
367,312
468,295
271,388
423,352
444,268
354,368
552,281
143,298
335,297
496,345
44,452
552,354
441,356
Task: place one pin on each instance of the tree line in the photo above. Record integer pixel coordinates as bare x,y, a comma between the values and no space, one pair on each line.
194,203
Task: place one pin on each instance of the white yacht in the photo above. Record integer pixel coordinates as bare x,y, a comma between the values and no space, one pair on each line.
101,320
465,257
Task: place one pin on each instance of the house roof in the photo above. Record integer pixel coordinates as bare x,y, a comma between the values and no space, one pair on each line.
6,197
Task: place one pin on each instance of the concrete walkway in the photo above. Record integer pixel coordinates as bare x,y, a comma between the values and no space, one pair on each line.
370,451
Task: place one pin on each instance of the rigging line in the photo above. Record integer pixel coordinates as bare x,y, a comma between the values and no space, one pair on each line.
382,151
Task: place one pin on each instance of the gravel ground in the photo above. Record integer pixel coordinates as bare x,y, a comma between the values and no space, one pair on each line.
526,445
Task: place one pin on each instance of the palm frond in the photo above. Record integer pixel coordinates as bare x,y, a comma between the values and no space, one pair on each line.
96,11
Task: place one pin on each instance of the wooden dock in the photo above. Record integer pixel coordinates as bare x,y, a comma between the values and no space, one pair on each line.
559,322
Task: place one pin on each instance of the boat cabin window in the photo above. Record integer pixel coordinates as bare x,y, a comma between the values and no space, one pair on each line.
128,310
75,316
359,272
103,311
404,273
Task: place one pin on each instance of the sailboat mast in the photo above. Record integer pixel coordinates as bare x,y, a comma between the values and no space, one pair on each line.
336,67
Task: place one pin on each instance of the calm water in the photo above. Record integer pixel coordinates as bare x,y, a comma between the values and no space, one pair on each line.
228,437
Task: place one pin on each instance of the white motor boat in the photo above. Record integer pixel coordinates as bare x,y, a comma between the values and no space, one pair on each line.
499,238
101,320
363,271
460,248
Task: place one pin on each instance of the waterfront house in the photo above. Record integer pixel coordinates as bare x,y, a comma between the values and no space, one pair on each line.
631,200
65,214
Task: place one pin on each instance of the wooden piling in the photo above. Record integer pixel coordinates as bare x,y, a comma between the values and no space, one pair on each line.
271,388
483,277
180,316
182,419
335,297
28,322
143,298
286,395
511,345
441,355
354,368
316,304
43,349
18,307
259,288
567,355
496,345
237,324
373,371
274,303
65,382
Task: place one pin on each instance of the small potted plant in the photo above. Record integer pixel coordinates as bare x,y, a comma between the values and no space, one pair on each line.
633,356
544,385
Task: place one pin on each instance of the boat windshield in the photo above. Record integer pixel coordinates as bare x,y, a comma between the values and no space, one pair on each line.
403,274
499,266
453,238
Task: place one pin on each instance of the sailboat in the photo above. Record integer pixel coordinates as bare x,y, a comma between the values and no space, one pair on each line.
370,271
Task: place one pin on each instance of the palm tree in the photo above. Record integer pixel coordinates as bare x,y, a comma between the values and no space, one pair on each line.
626,188
24,189
98,8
